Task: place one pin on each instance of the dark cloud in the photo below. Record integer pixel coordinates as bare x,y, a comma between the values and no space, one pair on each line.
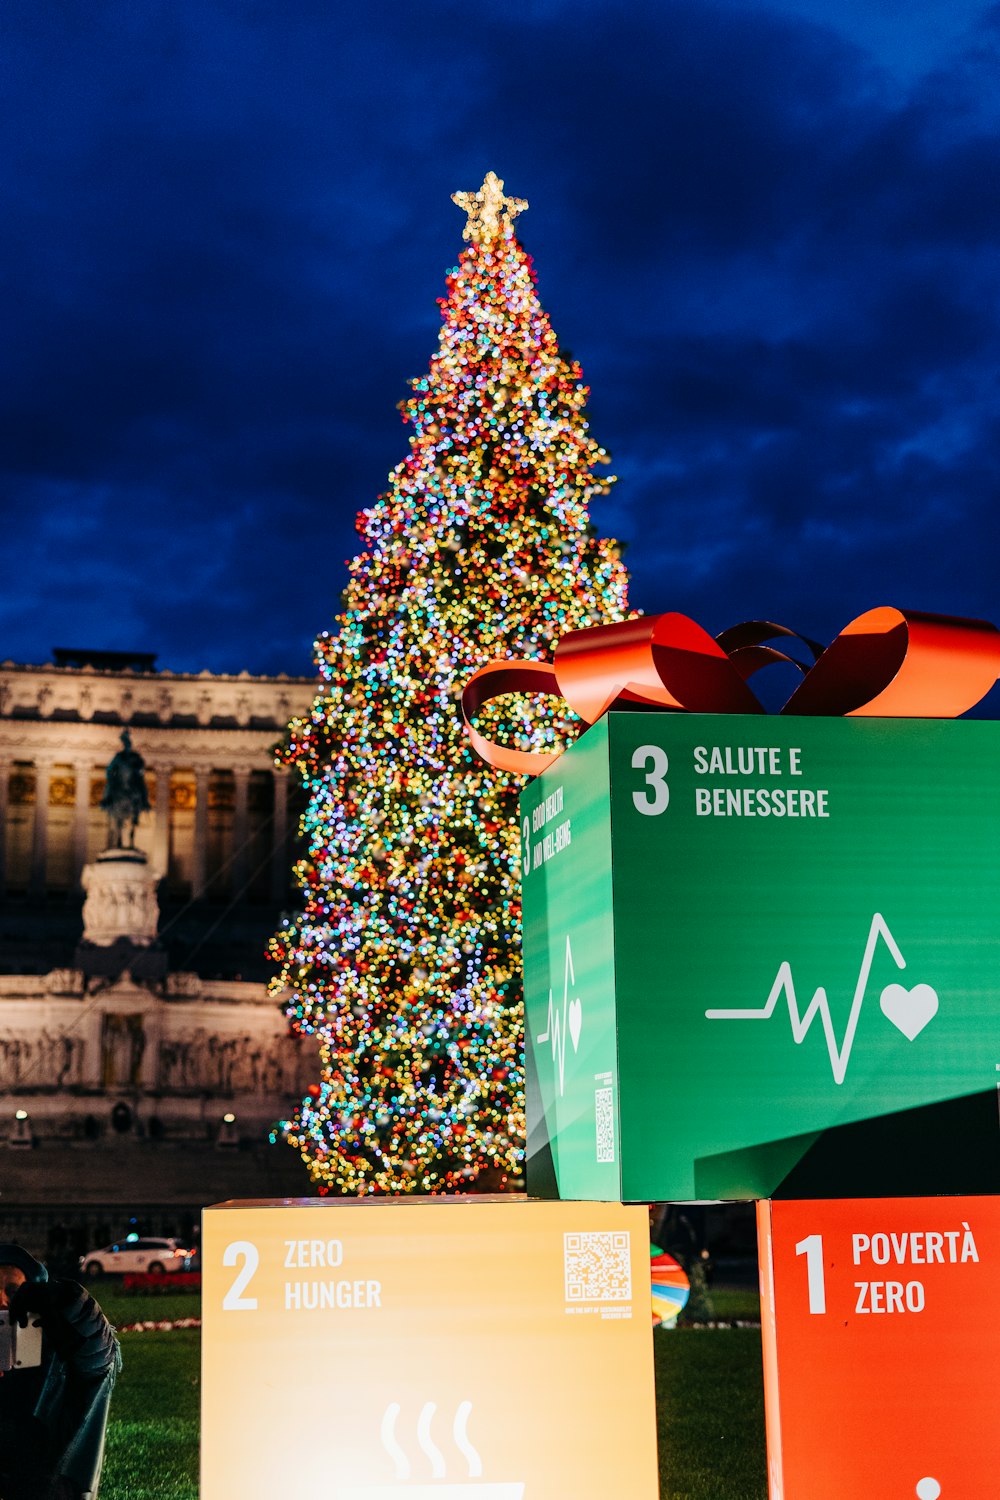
772,249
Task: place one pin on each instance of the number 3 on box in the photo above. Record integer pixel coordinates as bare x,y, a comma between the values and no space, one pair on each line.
654,799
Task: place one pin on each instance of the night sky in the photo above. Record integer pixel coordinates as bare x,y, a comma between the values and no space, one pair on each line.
768,232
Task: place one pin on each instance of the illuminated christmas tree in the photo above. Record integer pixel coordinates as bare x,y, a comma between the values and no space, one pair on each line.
405,961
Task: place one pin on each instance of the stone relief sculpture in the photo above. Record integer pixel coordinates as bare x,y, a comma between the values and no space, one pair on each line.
188,986
247,1068
65,981
170,1065
15,1054
46,1060
199,1061
71,1050
123,1045
119,906
196,1061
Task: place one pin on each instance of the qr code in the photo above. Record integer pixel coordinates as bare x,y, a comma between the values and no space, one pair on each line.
598,1266
605,1114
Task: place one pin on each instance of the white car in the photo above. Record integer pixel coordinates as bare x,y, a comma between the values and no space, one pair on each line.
154,1256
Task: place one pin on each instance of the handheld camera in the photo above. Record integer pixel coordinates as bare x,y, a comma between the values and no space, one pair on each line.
20,1348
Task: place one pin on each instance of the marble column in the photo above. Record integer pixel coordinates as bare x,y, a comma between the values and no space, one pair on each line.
40,836
161,820
200,865
241,829
81,817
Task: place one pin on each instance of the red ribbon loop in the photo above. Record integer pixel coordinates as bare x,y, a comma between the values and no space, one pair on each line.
902,664
505,677
888,662
660,661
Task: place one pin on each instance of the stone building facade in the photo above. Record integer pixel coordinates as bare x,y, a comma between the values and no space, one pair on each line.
142,1061
220,809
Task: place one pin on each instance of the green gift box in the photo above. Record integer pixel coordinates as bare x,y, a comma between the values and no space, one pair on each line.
762,959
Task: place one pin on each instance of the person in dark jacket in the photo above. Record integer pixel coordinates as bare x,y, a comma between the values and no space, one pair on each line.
53,1418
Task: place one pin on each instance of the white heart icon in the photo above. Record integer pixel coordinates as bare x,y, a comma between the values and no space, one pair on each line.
909,1010
575,1022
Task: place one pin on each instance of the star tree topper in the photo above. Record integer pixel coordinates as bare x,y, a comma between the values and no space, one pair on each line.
489,211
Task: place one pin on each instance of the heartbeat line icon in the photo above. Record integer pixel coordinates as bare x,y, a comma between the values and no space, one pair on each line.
908,1010
570,1019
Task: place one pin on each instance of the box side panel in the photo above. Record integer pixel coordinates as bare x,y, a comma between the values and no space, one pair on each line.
570,1038
769,1350
886,1346
472,1351
807,953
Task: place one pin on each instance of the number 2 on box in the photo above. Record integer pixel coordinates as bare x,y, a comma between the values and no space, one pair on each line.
234,1300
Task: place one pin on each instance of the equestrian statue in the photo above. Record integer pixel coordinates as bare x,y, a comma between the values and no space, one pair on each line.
125,794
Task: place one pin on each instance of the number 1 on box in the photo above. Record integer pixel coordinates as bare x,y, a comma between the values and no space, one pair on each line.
812,1248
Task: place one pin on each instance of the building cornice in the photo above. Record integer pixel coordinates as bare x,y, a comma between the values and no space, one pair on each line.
149,702
196,749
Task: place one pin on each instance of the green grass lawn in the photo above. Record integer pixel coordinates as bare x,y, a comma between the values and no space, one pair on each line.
710,1414
131,1307
709,1404
152,1449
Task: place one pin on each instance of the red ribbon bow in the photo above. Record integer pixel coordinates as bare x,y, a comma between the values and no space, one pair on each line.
888,663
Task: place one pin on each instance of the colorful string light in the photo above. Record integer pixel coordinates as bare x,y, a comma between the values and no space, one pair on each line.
405,961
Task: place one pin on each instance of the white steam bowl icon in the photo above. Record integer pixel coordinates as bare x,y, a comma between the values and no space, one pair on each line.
440,1488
